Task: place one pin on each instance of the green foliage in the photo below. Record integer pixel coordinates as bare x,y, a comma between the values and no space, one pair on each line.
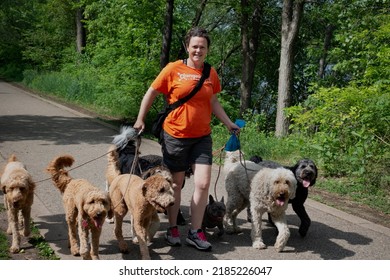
122,28
4,248
349,126
46,41
361,43
37,240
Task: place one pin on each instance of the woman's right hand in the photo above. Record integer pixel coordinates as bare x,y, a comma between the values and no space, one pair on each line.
139,125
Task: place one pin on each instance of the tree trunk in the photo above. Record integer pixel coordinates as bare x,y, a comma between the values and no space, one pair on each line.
81,34
327,41
167,34
291,15
250,25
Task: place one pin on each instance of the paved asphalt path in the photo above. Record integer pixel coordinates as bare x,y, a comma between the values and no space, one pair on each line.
37,130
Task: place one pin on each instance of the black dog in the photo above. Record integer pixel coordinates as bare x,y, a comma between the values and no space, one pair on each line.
305,171
213,215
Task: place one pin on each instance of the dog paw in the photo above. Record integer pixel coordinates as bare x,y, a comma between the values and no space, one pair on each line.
86,256
279,248
279,245
26,232
258,245
303,229
75,251
123,247
14,249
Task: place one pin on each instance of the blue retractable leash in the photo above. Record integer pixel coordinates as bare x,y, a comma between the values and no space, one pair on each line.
233,144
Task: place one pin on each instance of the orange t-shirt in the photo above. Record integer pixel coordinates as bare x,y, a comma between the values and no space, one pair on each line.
193,118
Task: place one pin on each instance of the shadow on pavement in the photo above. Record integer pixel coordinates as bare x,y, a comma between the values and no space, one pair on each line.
56,129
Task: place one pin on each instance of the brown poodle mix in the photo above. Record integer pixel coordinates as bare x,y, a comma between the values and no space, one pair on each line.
86,208
18,188
143,199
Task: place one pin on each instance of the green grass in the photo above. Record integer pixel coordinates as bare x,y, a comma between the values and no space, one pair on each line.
37,240
352,188
4,255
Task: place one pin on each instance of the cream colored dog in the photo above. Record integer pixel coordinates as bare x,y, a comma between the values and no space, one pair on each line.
142,198
18,188
270,192
86,208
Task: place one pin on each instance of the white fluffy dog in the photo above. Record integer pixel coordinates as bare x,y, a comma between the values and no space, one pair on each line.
238,177
270,192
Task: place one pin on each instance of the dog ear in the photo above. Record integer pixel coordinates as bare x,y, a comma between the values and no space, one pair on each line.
312,183
31,184
144,188
80,207
222,200
211,199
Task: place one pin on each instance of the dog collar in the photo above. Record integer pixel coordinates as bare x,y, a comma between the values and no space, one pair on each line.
84,224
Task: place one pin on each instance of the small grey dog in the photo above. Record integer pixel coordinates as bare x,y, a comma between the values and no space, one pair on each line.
214,214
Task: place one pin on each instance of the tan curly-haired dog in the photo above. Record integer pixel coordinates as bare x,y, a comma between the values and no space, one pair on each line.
18,188
86,208
113,170
142,198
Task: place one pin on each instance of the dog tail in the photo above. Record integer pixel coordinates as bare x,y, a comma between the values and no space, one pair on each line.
12,158
113,164
127,133
59,175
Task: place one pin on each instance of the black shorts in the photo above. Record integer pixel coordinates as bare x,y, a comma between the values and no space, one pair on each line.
180,153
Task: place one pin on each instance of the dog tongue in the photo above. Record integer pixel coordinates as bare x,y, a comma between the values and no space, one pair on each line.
306,183
280,202
98,223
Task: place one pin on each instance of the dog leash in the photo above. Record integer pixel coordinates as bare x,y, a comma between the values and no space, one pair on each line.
75,167
132,169
219,152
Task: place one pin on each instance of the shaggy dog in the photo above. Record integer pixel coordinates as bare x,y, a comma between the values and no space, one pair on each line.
18,188
270,192
142,198
238,177
305,172
86,208
214,214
